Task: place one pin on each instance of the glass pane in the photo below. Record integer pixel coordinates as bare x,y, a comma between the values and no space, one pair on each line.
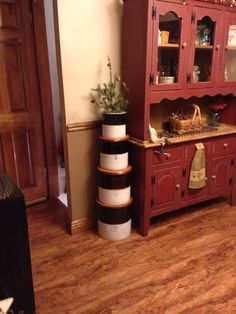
230,69
204,42
168,48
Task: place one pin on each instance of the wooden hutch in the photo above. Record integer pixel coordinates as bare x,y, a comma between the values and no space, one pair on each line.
202,38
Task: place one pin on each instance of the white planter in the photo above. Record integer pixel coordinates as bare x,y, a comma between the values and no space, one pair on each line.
114,161
114,131
114,232
114,196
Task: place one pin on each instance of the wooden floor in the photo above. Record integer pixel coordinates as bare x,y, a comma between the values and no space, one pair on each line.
187,264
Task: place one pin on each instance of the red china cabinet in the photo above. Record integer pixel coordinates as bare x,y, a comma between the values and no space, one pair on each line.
174,53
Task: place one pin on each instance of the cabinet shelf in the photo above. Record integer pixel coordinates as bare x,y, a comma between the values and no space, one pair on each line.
210,47
168,45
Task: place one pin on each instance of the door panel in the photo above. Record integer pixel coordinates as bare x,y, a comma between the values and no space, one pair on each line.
167,187
13,67
22,144
204,47
169,46
222,169
228,72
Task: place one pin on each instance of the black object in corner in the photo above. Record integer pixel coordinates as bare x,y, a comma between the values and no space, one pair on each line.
15,264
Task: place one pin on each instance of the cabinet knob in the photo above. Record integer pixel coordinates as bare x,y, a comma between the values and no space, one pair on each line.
213,177
177,186
206,178
184,45
226,48
225,145
217,47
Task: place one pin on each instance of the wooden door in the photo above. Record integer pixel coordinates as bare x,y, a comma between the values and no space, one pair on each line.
221,174
167,188
21,136
169,46
228,71
205,45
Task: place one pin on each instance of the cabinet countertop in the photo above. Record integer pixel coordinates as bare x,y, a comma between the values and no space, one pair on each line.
223,129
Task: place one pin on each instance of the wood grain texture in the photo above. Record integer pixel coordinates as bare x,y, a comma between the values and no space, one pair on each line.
185,265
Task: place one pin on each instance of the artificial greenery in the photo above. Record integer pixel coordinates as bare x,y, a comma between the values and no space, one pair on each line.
110,96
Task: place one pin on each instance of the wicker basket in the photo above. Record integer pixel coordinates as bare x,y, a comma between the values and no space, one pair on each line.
195,123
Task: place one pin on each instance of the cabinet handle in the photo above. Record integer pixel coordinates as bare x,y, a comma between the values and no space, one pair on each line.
225,145
217,47
167,155
213,177
184,45
177,186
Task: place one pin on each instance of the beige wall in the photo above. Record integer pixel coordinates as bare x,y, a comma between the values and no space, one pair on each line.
89,31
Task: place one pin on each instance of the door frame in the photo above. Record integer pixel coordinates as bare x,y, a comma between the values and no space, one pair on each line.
41,48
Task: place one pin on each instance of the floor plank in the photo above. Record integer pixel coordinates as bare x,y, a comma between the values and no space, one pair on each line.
187,264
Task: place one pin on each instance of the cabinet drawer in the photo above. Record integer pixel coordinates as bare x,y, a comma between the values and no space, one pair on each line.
190,150
169,155
224,146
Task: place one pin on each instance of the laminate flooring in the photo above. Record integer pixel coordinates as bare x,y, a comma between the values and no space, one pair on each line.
187,264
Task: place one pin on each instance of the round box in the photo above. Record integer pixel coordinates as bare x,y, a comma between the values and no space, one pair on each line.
114,125
114,214
114,196
114,232
114,187
113,155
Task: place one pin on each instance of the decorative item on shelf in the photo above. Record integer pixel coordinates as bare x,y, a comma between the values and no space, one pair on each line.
203,35
196,73
233,3
226,75
205,73
232,35
159,36
214,110
199,34
167,79
110,98
181,123
206,38
165,37
154,137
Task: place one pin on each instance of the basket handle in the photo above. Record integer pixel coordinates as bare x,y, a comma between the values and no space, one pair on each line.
197,111
180,110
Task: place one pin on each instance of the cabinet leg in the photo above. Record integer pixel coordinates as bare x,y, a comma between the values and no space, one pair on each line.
144,225
233,198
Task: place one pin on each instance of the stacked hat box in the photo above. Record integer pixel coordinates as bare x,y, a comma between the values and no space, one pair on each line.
114,190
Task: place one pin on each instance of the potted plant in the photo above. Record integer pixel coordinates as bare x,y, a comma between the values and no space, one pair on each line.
110,98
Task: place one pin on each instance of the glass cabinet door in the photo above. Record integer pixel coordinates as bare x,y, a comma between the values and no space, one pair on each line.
205,48
228,76
168,46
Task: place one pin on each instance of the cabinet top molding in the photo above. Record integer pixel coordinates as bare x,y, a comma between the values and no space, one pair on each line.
231,3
